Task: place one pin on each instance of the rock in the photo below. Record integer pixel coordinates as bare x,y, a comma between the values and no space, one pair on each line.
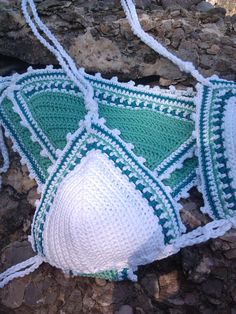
32,196
88,303
181,3
12,296
142,4
100,282
169,285
100,39
151,285
204,6
213,50
19,179
218,11
230,236
34,294
231,254
16,252
229,5
125,309
213,287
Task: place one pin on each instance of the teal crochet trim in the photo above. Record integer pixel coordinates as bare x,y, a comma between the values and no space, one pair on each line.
50,107
110,275
218,192
29,150
101,139
181,180
169,109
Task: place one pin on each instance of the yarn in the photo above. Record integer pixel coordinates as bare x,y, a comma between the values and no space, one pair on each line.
112,160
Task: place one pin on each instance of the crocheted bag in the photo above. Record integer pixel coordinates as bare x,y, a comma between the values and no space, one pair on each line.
109,186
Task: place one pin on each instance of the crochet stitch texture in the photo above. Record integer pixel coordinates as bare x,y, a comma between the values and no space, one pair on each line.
112,159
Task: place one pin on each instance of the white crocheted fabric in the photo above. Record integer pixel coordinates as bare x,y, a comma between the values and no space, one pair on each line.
110,190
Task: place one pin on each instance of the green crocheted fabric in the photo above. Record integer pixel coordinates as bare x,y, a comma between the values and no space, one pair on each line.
157,125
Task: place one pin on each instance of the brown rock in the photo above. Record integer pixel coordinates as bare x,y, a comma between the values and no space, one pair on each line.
32,196
169,285
213,50
13,294
16,252
151,285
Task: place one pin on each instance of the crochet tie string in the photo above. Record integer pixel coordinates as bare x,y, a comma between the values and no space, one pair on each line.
185,66
52,44
4,152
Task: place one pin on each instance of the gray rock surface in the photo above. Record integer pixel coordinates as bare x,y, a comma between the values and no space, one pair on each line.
204,6
100,40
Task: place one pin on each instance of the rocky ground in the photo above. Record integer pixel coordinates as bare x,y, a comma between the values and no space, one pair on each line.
200,279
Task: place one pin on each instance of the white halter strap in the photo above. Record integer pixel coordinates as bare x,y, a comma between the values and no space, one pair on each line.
62,56
20,270
188,67
3,150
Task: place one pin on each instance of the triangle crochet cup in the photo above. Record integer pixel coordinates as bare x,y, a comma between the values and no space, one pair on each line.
112,159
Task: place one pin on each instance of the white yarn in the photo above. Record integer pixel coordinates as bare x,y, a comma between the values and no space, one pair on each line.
230,137
4,153
184,66
20,270
99,221
63,58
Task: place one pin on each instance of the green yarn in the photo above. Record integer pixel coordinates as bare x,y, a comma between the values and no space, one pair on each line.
57,114
31,149
154,135
181,176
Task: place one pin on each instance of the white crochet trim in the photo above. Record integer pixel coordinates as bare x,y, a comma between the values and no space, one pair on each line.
20,270
229,135
184,66
16,148
4,83
157,104
67,224
25,123
178,165
219,83
63,58
211,230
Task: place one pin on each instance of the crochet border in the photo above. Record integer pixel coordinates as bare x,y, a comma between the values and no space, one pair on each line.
216,188
143,177
172,162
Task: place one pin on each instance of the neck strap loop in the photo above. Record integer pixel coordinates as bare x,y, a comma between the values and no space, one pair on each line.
188,67
66,62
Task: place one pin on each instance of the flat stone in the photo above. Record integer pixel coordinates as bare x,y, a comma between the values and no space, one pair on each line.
34,294
16,252
125,309
13,294
204,6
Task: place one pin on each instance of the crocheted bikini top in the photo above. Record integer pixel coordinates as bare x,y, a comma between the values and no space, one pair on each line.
107,158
